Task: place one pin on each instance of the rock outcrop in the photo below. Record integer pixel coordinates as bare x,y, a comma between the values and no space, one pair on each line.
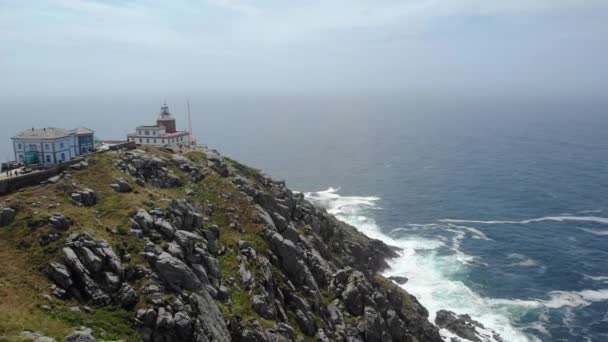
121,185
86,197
151,169
91,271
464,326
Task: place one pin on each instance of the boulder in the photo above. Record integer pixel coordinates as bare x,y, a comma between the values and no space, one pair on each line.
59,222
399,279
7,216
176,273
83,334
121,185
35,337
86,197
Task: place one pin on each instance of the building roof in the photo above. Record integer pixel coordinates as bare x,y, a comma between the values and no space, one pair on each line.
82,131
51,133
43,133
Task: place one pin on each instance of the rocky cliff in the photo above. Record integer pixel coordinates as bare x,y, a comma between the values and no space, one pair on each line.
156,245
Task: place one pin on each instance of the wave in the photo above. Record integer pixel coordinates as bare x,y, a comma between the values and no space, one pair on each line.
595,231
522,260
595,219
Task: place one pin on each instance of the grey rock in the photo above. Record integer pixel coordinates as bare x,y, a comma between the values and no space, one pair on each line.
398,279
164,320
83,334
187,240
121,185
59,222
36,337
86,197
176,273
461,325
7,216
60,275
127,296
145,317
165,228
210,316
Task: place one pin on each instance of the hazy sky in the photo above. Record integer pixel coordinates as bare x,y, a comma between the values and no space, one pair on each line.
58,47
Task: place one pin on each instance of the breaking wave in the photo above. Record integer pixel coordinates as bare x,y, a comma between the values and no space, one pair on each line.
433,263
603,220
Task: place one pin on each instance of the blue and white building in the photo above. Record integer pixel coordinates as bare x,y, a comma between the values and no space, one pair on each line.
52,145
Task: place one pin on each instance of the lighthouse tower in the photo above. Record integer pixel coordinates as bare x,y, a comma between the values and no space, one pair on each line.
166,120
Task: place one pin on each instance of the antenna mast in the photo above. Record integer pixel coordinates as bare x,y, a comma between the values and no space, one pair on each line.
190,137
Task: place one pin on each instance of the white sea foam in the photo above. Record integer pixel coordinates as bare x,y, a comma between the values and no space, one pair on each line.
603,279
602,220
522,260
597,232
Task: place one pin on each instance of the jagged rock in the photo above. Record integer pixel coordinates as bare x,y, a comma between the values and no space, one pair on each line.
398,279
121,185
164,320
83,334
187,240
60,275
144,220
291,259
36,337
152,170
86,197
165,227
461,325
303,314
356,293
176,273
217,163
127,296
185,216
59,222
145,317
91,271
210,316
179,159
375,327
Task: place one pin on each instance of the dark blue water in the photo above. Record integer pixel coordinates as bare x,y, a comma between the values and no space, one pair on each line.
507,200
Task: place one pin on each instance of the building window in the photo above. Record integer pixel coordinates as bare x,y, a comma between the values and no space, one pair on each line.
162,141
147,140
46,146
153,132
60,145
48,158
147,132
140,140
63,156
155,141
19,146
21,157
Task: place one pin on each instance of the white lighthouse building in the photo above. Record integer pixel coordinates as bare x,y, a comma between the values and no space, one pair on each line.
164,133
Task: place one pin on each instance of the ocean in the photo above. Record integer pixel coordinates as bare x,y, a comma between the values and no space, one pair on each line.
499,205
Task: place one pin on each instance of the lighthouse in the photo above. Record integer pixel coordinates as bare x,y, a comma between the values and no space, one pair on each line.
164,133
166,120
